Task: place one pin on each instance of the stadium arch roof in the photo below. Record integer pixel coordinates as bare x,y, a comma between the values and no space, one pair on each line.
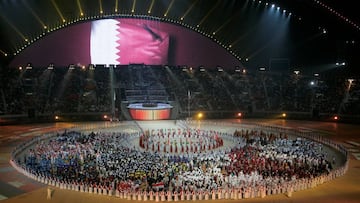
317,33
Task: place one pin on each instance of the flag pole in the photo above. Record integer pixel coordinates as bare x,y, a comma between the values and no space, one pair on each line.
189,97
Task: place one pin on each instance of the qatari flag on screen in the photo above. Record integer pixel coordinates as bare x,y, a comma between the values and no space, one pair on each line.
116,42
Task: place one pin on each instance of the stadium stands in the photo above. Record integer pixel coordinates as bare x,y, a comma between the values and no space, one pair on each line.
77,90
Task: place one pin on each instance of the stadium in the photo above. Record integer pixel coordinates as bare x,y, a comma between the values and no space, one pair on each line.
179,100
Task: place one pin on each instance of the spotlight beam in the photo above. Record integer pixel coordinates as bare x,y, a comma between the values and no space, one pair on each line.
208,13
236,41
58,10
3,52
189,9
116,5
169,7
243,36
133,6
151,6
101,7
223,25
80,8
15,29
35,15
247,33
229,20
266,45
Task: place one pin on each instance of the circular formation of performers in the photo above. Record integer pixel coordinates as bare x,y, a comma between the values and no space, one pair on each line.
178,141
176,160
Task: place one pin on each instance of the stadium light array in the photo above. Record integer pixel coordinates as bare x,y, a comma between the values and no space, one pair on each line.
28,66
339,15
50,67
262,68
340,63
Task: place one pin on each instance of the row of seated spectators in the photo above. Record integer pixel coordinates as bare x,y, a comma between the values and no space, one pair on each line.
142,83
58,90
84,90
265,91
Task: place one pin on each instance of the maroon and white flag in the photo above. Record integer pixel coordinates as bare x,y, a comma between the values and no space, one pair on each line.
115,41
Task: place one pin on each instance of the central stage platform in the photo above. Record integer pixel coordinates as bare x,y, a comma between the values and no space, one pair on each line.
150,111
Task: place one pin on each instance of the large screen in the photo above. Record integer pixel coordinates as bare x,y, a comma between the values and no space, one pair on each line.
125,41
116,42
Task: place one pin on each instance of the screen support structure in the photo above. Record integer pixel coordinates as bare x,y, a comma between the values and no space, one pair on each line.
112,91
188,106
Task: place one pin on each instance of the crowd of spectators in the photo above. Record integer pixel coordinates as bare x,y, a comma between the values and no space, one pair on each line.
58,90
82,90
265,91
